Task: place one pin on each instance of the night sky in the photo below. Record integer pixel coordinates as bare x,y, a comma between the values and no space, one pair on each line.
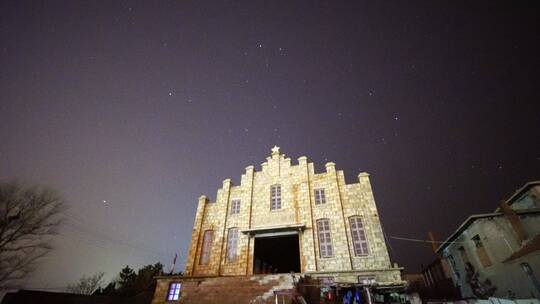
132,110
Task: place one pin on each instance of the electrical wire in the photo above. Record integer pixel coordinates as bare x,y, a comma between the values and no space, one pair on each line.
102,239
425,241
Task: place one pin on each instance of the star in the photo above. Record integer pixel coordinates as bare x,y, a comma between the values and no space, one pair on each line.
170,93
275,150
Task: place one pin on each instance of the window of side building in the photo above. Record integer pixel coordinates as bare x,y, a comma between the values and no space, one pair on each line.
232,245
453,265
174,291
320,198
208,239
469,268
481,252
325,238
359,239
275,197
235,207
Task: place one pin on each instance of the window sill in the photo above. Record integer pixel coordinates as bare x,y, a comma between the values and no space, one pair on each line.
328,258
363,256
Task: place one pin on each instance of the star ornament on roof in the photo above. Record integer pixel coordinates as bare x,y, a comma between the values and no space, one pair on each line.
275,150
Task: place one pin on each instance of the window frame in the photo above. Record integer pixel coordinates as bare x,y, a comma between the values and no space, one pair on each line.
361,232
235,206
232,243
275,197
320,196
481,251
206,252
326,234
176,292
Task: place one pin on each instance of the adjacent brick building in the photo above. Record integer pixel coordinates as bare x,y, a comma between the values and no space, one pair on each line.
287,218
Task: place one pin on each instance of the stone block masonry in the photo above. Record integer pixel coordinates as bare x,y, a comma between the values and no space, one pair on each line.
336,225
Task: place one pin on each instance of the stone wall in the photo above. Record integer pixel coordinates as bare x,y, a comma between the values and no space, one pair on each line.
298,183
224,290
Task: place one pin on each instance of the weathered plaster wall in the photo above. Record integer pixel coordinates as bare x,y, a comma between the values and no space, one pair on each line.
500,242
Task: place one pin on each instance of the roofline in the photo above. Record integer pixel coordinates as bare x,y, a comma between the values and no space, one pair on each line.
473,218
519,192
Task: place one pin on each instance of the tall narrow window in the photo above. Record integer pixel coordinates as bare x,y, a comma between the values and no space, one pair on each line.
325,240
232,245
469,268
481,251
320,198
174,291
358,236
235,206
208,239
453,264
275,197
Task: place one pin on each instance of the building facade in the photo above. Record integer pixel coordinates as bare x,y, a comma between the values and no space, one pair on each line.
498,254
287,218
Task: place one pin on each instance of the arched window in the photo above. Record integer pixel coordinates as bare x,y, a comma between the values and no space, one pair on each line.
232,245
359,239
325,238
208,239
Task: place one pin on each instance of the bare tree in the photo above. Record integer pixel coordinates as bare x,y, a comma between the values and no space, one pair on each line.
87,285
29,217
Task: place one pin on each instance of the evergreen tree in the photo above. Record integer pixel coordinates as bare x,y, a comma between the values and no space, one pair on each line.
145,277
127,281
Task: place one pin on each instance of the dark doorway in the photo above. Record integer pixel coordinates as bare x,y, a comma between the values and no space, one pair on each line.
276,254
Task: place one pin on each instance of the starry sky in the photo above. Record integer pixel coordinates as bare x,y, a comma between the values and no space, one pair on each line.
132,110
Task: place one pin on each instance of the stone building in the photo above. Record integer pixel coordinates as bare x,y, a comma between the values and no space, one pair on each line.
288,218
498,254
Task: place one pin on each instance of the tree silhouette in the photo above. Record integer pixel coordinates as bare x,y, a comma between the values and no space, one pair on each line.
29,217
87,285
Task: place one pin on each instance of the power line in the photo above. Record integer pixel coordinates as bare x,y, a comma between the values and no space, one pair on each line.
114,241
103,235
424,241
101,239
